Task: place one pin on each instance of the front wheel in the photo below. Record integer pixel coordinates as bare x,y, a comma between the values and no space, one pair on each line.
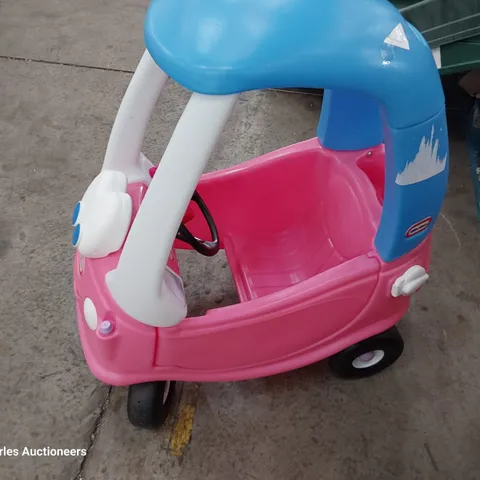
369,356
148,404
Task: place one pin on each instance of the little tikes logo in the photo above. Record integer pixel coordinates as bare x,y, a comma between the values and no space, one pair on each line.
418,227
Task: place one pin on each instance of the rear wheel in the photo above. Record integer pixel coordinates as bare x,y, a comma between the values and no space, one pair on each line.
149,403
368,357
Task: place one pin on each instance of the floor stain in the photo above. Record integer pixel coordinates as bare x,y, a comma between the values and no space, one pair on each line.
5,238
182,430
468,297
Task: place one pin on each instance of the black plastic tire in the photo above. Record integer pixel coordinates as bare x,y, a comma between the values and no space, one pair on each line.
384,349
146,405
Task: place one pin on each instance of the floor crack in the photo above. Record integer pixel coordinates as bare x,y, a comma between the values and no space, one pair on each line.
298,91
65,64
94,433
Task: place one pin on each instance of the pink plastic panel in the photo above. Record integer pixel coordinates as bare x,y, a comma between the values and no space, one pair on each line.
272,327
130,348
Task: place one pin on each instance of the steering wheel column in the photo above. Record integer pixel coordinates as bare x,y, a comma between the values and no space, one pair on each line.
209,248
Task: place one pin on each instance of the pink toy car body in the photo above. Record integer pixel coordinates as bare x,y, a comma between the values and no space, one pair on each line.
307,290
326,239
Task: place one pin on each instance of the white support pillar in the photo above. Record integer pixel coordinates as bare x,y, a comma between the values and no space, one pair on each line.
128,132
141,285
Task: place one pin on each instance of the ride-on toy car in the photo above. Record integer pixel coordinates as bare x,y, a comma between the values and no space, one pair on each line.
326,239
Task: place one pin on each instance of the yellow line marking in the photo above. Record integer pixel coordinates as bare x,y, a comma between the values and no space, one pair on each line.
182,430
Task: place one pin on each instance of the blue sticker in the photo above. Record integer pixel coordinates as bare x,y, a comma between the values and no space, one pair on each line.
76,235
76,212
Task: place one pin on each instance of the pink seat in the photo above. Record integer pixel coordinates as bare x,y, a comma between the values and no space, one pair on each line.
299,212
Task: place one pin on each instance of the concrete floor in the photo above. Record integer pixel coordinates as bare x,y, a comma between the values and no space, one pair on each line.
418,420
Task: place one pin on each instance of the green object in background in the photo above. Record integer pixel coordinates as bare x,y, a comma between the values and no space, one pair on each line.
460,56
451,25
442,21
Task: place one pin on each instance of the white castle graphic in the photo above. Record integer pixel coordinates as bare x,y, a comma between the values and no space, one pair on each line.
425,165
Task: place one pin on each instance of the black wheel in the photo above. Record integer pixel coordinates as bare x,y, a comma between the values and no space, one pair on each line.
368,357
148,403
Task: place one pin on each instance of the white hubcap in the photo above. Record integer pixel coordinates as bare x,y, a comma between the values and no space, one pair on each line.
368,359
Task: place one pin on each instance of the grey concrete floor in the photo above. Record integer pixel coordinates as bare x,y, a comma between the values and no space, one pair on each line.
418,420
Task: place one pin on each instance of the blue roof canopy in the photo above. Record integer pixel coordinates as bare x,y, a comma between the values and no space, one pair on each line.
381,81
